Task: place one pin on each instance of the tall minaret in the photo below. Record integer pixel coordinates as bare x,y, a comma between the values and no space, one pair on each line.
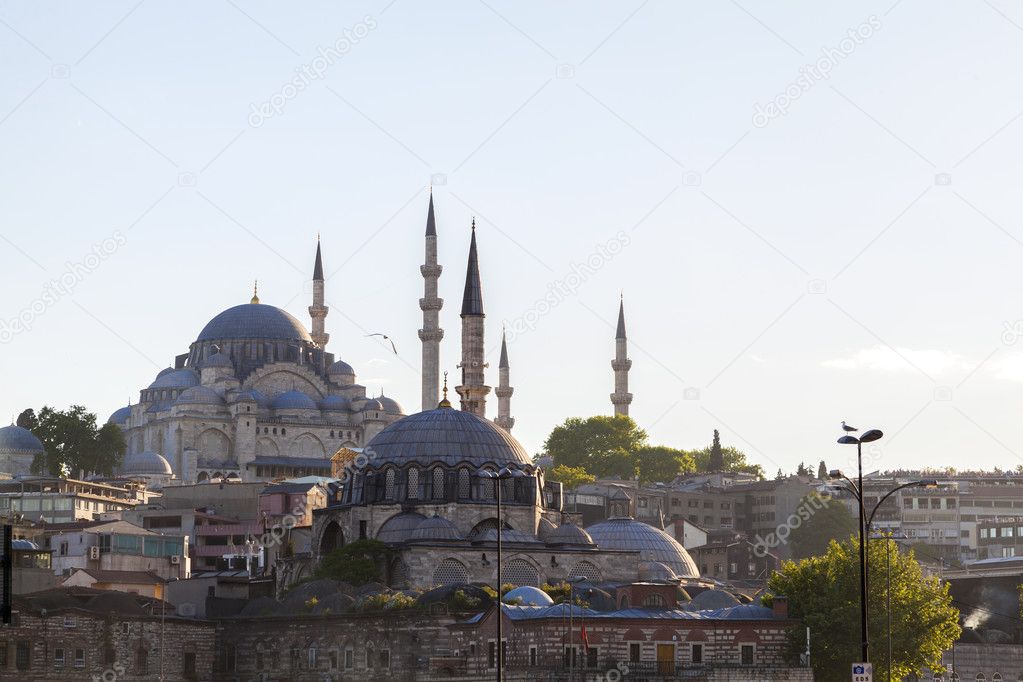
318,311
621,365
473,391
431,333
504,391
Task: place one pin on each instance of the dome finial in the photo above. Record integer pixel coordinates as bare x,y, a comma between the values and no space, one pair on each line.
444,401
255,292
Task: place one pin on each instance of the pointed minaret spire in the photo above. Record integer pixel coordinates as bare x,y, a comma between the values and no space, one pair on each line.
473,391
504,390
255,292
431,333
621,398
318,311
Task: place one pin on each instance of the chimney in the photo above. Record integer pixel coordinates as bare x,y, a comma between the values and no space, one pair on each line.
780,606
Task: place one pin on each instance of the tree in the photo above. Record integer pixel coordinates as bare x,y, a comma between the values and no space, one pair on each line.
822,471
570,477
780,475
73,444
661,463
823,519
357,563
28,420
733,460
717,457
823,593
601,445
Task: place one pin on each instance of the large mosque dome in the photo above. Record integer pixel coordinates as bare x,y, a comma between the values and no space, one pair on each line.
254,321
446,436
653,544
16,439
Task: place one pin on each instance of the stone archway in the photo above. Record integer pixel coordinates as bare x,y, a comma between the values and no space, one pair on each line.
333,537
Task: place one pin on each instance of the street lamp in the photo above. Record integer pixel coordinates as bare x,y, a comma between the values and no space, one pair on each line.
497,477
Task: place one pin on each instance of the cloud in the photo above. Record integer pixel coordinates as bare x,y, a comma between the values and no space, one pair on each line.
884,359
1008,367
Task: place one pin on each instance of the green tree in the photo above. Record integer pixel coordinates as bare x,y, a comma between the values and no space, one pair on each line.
570,477
822,471
601,445
73,444
28,420
823,593
732,458
823,519
717,456
661,463
357,563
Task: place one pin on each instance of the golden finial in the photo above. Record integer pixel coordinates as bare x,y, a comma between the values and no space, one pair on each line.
444,401
255,292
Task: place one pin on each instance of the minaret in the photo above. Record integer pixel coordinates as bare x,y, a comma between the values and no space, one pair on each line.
503,390
473,392
621,365
431,333
318,311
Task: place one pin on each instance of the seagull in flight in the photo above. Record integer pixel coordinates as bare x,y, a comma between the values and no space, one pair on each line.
847,428
388,339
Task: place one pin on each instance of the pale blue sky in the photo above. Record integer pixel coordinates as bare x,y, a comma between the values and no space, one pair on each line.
789,275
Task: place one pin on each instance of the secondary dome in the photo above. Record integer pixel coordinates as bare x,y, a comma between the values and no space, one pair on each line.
146,463
399,528
120,416
390,405
178,378
334,403
17,439
436,528
652,544
569,534
449,437
293,400
254,321
527,595
340,368
199,395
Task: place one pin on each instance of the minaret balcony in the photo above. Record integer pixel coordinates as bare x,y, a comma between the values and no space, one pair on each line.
431,334
621,365
432,270
431,303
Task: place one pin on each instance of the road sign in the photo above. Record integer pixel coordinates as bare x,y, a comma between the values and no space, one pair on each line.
862,672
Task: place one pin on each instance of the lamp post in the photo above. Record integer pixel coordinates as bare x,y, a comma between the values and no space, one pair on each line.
497,477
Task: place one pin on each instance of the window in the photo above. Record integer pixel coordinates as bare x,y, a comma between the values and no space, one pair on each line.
708,504
142,660
983,533
23,656
1007,532
349,658
491,654
58,658
746,654
385,659
935,503
634,650
950,503
591,656
907,502
414,492
362,529
464,484
69,621
1008,552
438,483
532,656
642,503
653,601
80,658
334,661
694,503
697,653
311,658
389,484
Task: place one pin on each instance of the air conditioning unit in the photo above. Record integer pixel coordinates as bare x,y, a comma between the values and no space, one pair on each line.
175,559
94,553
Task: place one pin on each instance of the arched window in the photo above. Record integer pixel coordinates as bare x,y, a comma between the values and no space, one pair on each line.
487,486
997,677
980,677
464,484
284,432
415,490
520,572
331,434
438,483
653,601
586,570
450,572
389,492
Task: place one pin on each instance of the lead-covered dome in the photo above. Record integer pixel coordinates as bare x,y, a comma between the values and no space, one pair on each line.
146,463
652,544
120,416
254,321
569,534
199,395
449,437
176,378
293,400
18,439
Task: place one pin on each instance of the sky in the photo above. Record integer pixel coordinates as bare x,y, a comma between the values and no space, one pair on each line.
812,211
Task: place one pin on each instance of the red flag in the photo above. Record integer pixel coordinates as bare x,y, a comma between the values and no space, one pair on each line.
585,640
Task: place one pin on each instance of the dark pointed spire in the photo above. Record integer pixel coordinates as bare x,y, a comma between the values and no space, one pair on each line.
472,298
431,223
504,352
318,266
621,319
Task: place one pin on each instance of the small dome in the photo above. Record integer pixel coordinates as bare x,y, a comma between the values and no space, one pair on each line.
527,595
253,395
436,528
340,368
544,529
165,370
652,544
120,416
335,403
712,599
569,534
372,404
655,570
507,535
399,528
178,378
146,463
293,400
390,405
17,439
218,360
199,395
